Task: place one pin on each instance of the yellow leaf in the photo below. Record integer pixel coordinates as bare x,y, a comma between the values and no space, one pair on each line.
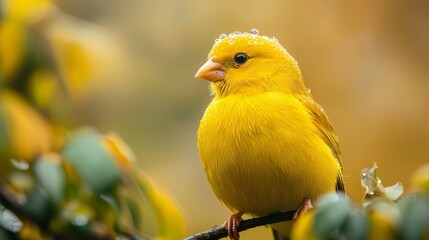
29,133
22,9
169,216
31,231
124,156
11,48
77,65
420,178
86,55
381,227
42,86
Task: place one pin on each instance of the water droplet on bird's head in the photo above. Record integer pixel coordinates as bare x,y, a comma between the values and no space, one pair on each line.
221,37
231,42
254,31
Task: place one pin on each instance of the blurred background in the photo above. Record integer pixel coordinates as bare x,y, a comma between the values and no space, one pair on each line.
366,62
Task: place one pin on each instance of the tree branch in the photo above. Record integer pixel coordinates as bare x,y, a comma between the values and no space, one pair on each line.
218,232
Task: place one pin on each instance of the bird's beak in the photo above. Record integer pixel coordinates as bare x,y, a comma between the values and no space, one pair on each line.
211,71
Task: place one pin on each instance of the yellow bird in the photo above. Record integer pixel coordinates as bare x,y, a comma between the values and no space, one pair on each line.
265,144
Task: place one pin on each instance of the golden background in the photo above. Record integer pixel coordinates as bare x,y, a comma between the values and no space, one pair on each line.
366,62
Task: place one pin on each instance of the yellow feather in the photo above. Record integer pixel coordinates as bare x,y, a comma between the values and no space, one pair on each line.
264,143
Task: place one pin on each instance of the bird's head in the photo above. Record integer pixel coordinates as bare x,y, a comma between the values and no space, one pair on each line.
248,63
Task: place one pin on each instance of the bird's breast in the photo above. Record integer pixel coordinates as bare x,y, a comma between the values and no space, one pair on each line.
256,150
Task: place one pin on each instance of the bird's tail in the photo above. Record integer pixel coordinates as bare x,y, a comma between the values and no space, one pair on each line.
278,236
282,230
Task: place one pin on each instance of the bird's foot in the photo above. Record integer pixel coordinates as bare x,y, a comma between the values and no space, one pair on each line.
305,206
231,225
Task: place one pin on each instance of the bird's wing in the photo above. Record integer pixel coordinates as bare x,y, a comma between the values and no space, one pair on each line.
326,132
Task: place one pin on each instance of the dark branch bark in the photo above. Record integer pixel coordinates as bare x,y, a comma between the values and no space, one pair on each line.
218,232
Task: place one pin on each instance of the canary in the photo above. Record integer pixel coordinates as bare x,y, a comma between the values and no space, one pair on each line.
265,144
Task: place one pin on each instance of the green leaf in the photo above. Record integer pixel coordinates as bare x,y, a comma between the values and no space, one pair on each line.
37,205
92,160
50,175
112,201
22,193
415,216
9,221
5,145
5,235
331,212
356,226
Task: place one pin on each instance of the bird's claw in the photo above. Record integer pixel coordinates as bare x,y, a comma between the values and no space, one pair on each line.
304,207
231,225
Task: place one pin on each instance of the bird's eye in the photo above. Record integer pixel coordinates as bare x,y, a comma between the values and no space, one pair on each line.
240,58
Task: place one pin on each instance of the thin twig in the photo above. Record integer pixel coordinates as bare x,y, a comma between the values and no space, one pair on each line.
218,232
